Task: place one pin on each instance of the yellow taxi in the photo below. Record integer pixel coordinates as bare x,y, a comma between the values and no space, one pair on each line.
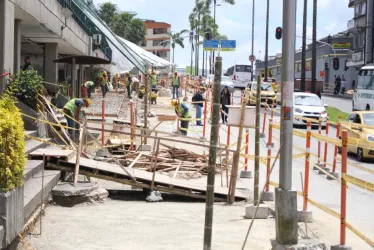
360,126
273,83
267,94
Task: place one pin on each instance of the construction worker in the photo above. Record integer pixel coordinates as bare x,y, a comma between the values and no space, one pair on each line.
103,79
176,84
154,80
184,115
87,88
72,109
128,82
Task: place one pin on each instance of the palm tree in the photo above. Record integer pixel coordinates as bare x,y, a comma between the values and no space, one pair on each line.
208,26
192,28
177,38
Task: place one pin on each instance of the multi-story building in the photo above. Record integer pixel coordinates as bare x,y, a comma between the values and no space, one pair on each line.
338,45
362,49
157,38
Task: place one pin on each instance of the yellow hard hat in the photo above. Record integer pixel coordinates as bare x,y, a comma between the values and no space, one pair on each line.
104,73
173,102
127,73
154,72
89,102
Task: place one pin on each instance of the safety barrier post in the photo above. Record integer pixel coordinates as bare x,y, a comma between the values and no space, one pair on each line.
232,98
227,154
319,142
325,151
246,151
272,113
132,124
270,145
343,201
205,107
264,123
307,158
103,120
336,147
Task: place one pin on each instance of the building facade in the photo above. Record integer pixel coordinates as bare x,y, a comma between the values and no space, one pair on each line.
327,48
361,28
157,38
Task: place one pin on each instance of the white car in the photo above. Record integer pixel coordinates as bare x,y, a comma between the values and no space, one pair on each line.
309,106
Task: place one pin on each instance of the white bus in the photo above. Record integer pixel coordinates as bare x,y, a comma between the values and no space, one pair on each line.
363,97
240,75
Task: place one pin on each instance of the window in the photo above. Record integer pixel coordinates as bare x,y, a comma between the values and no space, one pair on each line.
360,9
306,100
160,31
230,71
162,54
159,43
143,43
243,68
352,117
365,81
363,8
307,66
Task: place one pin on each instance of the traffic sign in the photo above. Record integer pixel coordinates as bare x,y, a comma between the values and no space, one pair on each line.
228,45
210,45
252,58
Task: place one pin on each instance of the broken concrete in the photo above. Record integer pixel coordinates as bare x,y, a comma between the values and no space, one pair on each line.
306,216
303,244
246,174
267,196
154,196
341,247
262,212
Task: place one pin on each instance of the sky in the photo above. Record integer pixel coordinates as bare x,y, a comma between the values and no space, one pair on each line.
235,21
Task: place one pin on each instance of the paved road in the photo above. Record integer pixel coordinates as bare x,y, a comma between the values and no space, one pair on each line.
344,105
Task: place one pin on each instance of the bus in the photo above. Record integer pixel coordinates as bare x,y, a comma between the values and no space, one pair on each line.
363,97
240,75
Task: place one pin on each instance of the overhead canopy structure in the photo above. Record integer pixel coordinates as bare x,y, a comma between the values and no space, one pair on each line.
86,60
126,53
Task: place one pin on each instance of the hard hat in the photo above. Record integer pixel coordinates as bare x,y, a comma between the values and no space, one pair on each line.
154,72
127,73
175,72
173,102
88,101
104,73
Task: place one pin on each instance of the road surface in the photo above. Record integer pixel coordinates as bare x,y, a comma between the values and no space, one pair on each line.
345,105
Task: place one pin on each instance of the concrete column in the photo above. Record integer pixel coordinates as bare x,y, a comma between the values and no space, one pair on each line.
90,46
74,79
81,76
6,40
50,68
17,45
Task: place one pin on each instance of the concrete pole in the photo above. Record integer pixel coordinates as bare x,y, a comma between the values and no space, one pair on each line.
50,54
267,43
6,40
257,142
253,35
369,32
212,156
17,45
314,49
303,53
81,76
146,95
285,199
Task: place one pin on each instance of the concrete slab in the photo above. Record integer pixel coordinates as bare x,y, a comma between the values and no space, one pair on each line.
303,244
326,170
32,145
2,234
305,216
32,168
340,247
69,189
333,174
262,212
246,174
286,216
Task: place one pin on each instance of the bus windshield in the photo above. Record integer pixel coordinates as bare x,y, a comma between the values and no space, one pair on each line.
366,80
243,68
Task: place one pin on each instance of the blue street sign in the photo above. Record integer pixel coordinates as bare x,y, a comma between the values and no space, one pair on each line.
228,45
210,45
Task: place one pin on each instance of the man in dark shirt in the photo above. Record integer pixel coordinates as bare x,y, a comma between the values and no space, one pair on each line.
198,98
27,65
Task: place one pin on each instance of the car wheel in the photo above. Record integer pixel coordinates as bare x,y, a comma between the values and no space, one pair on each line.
360,154
367,107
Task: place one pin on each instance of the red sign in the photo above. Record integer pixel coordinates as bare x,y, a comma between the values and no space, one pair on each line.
322,74
252,58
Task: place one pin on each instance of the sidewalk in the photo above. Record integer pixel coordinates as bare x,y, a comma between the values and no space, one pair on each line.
346,96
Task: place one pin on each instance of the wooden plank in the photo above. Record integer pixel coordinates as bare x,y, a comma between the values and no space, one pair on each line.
55,152
176,172
136,159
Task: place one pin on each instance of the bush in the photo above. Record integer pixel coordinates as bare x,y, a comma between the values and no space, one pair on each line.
25,86
12,144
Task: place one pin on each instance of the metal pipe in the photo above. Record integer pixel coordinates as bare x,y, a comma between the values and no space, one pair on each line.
303,53
266,43
314,49
253,35
287,90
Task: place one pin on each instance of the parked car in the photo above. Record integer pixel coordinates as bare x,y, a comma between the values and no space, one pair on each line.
225,82
307,105
366,134
267,94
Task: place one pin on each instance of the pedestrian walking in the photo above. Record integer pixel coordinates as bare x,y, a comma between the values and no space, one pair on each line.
184,115
198,98
337,85
103,81
176,84
225,100
128,82
154,81
72,111
87,88
343,85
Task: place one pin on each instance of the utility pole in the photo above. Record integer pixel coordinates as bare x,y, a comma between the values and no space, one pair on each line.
369,32
285,198
314,48
266,43
303,56
253,34
214,18
146,94
212,157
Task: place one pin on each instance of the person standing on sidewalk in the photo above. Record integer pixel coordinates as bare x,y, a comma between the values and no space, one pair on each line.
128,82
176,84
103,83
343,85
154,80
184,115
72,110
198,98
225,100
27,65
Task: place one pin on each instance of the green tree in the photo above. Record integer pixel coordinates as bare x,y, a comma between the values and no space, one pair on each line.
177,38
209,2
107,12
